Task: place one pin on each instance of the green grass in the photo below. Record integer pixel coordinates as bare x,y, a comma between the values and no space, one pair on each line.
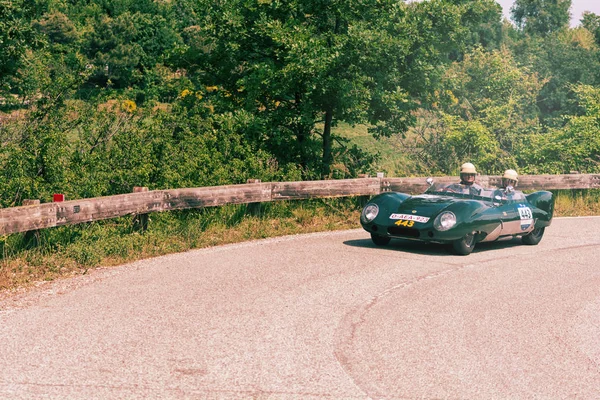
393,160
577,202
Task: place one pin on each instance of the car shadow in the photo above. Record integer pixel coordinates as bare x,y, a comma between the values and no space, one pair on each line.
437,249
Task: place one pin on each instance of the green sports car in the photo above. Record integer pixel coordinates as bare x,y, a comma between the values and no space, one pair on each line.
458,215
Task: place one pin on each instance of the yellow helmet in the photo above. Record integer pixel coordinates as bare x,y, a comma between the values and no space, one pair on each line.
467,168
511,174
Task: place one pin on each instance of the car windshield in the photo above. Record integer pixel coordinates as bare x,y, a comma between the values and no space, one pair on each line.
470,192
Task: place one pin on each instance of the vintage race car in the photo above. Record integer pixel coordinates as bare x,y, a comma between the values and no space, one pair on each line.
457,215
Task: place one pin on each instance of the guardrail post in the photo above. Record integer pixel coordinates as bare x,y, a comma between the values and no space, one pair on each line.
363,200
140,221
254,208
31,238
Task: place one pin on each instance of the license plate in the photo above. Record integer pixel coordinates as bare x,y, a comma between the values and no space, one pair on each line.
410,217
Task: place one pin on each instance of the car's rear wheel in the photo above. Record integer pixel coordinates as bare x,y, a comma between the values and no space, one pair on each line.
534,237
380,240
465,245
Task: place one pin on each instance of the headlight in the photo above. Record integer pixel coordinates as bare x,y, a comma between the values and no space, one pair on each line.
369,213
444,221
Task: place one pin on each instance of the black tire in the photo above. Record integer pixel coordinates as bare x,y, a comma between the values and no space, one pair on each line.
533,237
380,240
465,245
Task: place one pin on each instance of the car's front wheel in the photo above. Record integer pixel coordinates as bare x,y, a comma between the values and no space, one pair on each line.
380,240
465,245
534,237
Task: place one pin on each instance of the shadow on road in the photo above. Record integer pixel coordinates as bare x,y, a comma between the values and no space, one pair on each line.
431,249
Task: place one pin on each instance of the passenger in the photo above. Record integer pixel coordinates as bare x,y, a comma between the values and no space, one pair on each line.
507,191
510,178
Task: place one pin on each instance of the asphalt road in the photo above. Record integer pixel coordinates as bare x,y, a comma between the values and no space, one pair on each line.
324,315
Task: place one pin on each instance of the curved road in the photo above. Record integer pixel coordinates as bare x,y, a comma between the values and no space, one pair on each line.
325,315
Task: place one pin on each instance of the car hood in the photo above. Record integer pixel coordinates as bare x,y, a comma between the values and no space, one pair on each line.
426,205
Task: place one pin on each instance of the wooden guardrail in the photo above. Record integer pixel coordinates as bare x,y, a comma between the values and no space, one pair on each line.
36,216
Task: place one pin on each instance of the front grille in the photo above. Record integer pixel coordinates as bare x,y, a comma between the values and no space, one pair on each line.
402,231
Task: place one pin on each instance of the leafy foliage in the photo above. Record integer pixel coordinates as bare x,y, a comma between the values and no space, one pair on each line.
485,106
541,17
591,22
575,147
300,63
563,59
17,36
100,96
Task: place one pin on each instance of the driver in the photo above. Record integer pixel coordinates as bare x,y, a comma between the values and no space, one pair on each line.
467,181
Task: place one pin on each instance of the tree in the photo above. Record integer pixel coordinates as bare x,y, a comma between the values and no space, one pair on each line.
541,17
490,88
484,107
574,147
58,28
16,35
591,22
573,58
124,48
441,142
562,59
299,64
482,22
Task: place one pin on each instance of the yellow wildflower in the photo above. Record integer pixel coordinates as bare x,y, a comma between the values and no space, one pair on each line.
128,106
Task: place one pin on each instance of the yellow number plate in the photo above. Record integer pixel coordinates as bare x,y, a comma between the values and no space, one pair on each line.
403,222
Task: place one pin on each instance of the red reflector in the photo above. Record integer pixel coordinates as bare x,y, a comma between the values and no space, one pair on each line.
58,197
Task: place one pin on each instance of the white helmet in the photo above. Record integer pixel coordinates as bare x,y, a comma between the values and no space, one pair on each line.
511,174
467,168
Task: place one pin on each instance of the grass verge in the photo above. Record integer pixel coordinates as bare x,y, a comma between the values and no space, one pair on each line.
73,250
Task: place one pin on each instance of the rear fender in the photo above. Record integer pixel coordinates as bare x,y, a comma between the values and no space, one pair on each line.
543,200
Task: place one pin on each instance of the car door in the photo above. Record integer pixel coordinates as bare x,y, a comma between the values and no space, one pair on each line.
516,216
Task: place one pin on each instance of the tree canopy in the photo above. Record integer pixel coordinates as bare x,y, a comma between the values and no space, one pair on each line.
541,17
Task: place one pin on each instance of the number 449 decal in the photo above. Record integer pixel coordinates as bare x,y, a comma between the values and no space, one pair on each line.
404,222
525,212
